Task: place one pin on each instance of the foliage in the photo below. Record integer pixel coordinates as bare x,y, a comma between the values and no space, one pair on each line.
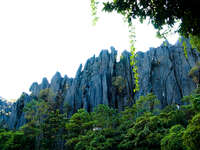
52,127
15,140
191,136
173,140
146,133
77,126
184,43
140,127
46,94
172,116
79,123
45,120
119,82
98,140
93,5
147,103
127,119
105,117
67,108
160,13
195,41
133,61
92,131
194,100
195,73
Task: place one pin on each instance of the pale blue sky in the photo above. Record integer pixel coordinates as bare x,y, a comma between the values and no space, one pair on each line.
40,37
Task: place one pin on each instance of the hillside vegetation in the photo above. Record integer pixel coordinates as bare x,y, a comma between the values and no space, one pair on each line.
141,127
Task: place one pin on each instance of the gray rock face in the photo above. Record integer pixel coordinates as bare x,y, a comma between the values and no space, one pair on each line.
103,80
36,88
58,84
17,117
5,110
90,87
163,71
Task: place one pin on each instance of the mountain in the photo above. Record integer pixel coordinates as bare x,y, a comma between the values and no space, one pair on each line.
104,80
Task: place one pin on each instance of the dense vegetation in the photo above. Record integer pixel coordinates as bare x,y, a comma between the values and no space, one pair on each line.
144,126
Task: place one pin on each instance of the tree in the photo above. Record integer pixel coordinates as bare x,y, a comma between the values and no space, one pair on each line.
160,13
148,103
45,121
94,131
195,73
105,139
191,136
5,139
194,101
15,140
145,134
53,129
173,140
78,125
105,117
174,117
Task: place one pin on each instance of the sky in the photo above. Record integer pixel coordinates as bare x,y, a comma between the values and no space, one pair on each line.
40,37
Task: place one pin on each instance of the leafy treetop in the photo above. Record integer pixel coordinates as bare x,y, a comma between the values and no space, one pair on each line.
160,13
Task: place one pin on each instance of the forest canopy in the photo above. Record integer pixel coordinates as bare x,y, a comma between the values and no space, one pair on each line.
140,127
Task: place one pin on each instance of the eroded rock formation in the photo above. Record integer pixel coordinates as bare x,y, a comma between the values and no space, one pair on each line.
103,80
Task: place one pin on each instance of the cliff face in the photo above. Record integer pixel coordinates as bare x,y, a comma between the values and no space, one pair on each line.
164,71
5,110
103,80
17,116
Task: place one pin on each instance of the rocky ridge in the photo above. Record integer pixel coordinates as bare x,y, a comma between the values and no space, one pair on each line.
103,80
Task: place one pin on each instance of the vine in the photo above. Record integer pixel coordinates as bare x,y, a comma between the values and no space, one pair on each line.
184,44
93,5
185,49
132,39
127,19
133,61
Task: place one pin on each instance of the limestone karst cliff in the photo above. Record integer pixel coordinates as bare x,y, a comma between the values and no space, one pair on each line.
5,110
103,80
